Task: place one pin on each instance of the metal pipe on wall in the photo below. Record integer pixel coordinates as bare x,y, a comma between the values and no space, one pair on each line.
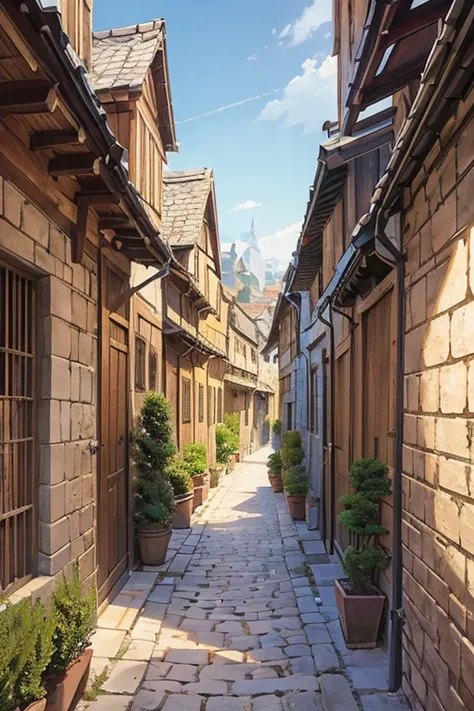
332,452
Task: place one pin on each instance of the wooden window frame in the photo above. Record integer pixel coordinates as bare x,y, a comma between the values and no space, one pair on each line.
289,416
209,405
140,364
200,403
18,349
152,368
185,400
246,409
314,397
220,408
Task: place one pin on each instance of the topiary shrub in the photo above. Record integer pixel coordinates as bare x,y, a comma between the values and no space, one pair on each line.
275,463
152,441
276,427
295,481
26,648
154,502
227,442
232,422
75,615
369,479
292,452
179,477
195,458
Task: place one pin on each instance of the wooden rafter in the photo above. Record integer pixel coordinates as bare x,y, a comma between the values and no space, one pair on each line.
96,198
75,164
27,96
41,140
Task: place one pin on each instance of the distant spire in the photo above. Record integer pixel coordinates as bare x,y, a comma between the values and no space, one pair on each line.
253,236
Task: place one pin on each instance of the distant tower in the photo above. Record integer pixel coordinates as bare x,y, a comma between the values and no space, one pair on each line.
252,238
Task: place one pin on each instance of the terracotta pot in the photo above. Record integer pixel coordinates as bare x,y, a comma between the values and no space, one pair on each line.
276,482
184,509
35,706
214,477
297,507
201,492
66,691
198,479
153,544
360,617
237,457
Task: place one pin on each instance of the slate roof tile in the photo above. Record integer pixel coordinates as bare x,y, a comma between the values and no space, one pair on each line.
185,196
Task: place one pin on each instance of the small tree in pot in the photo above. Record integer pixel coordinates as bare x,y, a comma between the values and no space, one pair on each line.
359,601
276,434
195,458
295,482
152,449
182,483
274,466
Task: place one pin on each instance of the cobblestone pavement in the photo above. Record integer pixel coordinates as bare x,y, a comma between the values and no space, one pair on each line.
230,622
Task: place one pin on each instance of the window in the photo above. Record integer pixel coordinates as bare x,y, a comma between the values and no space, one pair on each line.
244,351
201,403
275,358
246,405
17,460
209,405
266,359
152,369
213,406
140,367
219,405
186,400
314,395
289,415
253,354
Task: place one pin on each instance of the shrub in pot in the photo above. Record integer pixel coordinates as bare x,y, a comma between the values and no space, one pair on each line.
274,465
359,601
68,671
26,648
292,452
182,483
152,450
195,458
295,482
276,434
227,442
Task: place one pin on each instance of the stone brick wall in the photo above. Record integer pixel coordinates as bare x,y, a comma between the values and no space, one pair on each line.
66,391
439,426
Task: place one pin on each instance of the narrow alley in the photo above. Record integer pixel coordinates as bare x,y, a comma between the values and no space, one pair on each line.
233,622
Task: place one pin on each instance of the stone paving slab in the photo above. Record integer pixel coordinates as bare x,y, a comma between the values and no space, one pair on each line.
231,622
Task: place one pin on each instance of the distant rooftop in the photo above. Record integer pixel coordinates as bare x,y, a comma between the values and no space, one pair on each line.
185,196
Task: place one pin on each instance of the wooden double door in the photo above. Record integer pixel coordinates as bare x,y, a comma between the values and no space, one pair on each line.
113,476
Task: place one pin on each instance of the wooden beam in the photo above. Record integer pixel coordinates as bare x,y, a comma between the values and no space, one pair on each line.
42,140
75,164
96,198
27,96
116,223
415,20
79,241
14,36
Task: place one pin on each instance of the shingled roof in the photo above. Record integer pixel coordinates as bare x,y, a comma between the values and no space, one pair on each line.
185,196
121,59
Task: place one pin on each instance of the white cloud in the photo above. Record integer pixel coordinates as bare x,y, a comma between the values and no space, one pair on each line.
328,34
252,58
274,31
308,99
248,205
282,243
305,26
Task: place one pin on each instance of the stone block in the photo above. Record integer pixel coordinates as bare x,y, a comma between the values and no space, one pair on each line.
55,378
453,436
59,302
44,260
86,564
74,526
436,344
455,475
35,224
444,223
57,243
53,564
429,390
453,388
13,204
52,462
65,421
418,303
465,204
337,695
87,490
79,310
125,677
85,350
56,337
73,495
75,382
86,518
52,502
12,240
444,516
462,333
466,527
86,385
53,536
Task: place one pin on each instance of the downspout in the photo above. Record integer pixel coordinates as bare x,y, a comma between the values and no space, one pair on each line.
297,308
396,611
332,451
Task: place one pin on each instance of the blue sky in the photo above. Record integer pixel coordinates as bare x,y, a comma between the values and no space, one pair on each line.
263,151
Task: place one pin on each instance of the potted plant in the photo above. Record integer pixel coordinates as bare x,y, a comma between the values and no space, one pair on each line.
215,474
195,458
232,423
276,434
292,452
74,621
359,601
152,450
227,441
26,648
182,483
274,465
295,482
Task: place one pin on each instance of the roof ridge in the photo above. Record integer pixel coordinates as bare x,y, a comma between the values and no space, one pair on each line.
130,30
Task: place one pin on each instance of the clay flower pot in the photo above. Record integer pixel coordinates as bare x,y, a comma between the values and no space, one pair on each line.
276,482
35,706
153,544
201,489
66,691
360,617
184,509
297,507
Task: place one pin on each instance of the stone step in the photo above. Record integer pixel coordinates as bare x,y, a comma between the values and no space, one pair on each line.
337,694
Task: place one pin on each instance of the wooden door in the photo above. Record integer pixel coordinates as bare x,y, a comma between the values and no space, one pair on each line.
112,512
172,389
342,441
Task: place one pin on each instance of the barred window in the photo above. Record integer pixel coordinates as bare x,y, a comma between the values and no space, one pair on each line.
246,405
253,353
186,400
201,403
152,369
209,405
219,405
140,364
17,460
213,406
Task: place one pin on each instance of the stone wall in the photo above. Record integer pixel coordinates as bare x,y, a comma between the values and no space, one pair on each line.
438,481
66,356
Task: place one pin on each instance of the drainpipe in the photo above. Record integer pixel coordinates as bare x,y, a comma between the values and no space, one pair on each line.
297,308
396,611
332,451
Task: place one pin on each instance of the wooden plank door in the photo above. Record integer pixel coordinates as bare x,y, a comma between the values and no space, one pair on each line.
342,441
172,389
113,554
